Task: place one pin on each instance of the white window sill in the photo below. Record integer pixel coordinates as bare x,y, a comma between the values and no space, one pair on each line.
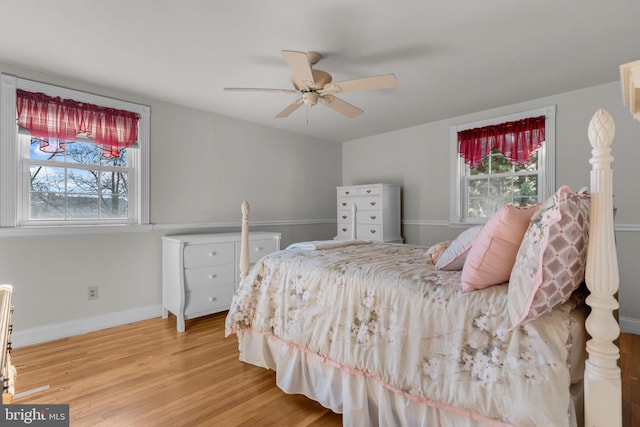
72,230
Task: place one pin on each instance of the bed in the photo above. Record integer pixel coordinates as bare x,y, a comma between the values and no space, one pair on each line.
377,333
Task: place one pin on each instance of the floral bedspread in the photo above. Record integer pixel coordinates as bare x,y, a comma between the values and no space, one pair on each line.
382,310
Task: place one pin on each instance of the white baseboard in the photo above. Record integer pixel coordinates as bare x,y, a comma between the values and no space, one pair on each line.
76,327
630,325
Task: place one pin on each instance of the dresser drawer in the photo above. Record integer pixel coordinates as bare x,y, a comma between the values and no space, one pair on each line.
208,254
346,203
259,248
369,217
344,231
345,217
368,203
197,278
368,191
208,299
347,191
369,232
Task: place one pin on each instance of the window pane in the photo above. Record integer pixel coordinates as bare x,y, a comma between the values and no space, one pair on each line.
82,181
526,185
484,207
114,195
113,183
114,206
46,205
478,187
47,178
36,153
501,188
82,206
82,152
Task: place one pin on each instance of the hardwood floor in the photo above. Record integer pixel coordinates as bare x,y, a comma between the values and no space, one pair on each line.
147,374
630,365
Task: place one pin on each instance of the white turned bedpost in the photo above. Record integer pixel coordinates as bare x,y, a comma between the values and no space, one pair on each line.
244,241
602,384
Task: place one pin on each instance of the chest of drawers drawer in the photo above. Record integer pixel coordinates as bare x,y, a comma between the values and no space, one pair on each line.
206,277
259,248
361,203
208,254
204,300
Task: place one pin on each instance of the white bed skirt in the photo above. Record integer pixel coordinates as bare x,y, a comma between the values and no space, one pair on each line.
362,400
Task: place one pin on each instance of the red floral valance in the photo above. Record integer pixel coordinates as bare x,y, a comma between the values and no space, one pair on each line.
516,140
65,119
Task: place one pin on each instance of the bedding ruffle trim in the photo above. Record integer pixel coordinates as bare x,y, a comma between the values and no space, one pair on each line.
363,399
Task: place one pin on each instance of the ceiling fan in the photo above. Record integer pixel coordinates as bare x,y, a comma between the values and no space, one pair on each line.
315,85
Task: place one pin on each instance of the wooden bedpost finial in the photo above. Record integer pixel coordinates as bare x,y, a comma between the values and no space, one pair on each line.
602,129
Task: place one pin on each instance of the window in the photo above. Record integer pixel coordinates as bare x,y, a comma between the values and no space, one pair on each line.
78,183
480,191
51,182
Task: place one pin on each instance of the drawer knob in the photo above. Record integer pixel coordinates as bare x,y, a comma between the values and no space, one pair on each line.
344,203
347,192
344,217
368,191
212,253
259,248
373,217
373,203
344,230
212,299
212,276
372,231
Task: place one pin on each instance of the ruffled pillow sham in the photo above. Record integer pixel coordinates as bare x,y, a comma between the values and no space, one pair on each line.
551,261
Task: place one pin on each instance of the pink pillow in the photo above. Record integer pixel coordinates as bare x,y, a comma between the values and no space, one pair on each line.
551,261
494,251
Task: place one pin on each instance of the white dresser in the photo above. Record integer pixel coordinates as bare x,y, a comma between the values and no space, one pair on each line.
200,271
369,212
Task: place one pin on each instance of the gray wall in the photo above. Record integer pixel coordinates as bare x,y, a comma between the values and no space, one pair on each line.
202,167
418,158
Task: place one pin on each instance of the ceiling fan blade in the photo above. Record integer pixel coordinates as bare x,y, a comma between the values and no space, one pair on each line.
259,89
300,68
364,83
290,109
341,106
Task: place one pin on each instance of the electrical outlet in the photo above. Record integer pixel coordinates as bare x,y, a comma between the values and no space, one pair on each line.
93,292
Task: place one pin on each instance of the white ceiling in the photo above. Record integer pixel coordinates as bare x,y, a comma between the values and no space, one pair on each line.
450,57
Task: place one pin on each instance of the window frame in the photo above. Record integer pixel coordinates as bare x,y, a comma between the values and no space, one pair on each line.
546,161
14,199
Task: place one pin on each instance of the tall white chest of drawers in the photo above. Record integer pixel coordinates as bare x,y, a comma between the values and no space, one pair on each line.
369,212
200,271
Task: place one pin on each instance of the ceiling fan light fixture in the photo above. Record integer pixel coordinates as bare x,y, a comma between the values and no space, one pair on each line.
310,98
